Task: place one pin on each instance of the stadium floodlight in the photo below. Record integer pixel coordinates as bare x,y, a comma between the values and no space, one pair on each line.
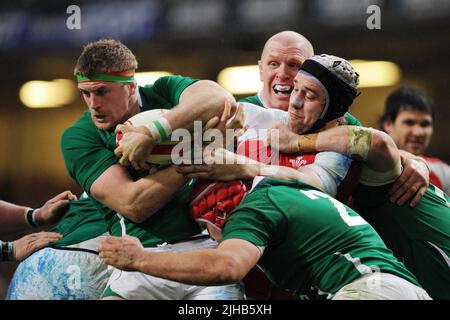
145,78
240,80
47,94
376,73
245,79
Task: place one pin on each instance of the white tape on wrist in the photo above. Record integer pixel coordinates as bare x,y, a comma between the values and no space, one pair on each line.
11,255
33,217
7,251
373,178
30,217
160,129
359,142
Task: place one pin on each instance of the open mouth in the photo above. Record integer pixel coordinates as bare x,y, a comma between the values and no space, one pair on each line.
99,118
282,89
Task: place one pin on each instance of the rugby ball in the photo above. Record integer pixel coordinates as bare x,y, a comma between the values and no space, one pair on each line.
161,153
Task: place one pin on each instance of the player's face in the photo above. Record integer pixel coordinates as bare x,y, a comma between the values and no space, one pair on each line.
306,104
411,130
110,103
277,68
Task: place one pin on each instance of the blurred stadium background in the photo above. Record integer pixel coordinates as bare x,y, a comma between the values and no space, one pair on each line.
197,38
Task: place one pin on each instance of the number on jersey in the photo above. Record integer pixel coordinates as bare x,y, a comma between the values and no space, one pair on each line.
348,219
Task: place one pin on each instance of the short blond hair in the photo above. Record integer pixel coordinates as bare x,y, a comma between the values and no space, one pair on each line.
105,55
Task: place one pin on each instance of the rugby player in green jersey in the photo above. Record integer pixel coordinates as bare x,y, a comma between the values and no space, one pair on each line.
282,56
105,74
306,241
69,268
418,234
153,206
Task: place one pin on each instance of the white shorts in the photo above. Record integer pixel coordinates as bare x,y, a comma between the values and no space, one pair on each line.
140,286
72,273
381,286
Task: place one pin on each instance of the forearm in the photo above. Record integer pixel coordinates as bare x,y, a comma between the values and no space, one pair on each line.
136,200
206,267
201,101
247,169
151,193
242,167
12,219
373,147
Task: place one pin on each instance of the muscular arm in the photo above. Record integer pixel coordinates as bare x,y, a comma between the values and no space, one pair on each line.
12,219
378,152
375,148
226,166
202,100
382,163
305,174
136,200
12,216
228,263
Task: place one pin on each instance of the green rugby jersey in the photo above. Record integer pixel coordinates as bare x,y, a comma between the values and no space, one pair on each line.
349,118
314,245
419,236
81,222
88,152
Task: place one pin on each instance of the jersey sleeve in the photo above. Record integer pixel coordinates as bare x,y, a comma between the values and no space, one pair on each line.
85,154
351,120
331,168
168,88
252,99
